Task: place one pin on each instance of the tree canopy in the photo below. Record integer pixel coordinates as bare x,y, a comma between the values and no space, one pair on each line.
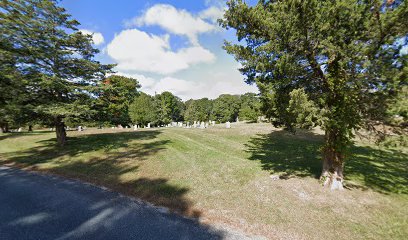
250,107
226,108
143,110
114,96
198,110
170,108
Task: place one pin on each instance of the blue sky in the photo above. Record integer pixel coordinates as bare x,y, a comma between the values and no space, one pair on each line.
167,45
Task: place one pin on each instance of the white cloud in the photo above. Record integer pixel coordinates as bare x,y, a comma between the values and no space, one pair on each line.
212,13
210,86
97,37
173,20
139,51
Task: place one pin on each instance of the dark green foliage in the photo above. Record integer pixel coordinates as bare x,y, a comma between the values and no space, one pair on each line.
398,111
226,108
170,108
114,96
49,62
250,107
143,110
344,54
198,110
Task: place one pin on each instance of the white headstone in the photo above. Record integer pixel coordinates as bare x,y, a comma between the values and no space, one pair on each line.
20,129
213,123
148,125
202,125
228,124
80,129
206,125
135,127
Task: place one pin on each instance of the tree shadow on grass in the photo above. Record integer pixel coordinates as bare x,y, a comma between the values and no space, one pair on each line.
111,160
110,143
287,154
383,170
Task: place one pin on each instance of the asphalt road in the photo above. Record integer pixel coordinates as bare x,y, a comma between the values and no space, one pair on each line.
40,206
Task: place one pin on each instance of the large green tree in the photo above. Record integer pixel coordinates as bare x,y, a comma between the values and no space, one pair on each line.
198,110
143,110
226,108
114,96
344,54
170,108
53,59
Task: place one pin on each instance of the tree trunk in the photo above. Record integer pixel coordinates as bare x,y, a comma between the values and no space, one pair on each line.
60,131
30,128
333,162
4,127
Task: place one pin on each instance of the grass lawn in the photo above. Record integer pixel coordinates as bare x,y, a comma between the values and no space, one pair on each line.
223,176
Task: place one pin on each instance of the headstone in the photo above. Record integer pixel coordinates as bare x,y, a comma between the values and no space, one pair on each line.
80,129
188,124
148,125
206,125
237,120
20,129
113,127
228,124
213,123
202,125
126,127
68,128
120,126
135,127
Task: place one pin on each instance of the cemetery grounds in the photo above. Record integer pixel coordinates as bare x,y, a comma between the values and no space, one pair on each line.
252,177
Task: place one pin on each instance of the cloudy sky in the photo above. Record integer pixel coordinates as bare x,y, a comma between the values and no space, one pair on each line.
169,45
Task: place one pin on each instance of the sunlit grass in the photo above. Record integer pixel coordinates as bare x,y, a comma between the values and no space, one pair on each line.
222,175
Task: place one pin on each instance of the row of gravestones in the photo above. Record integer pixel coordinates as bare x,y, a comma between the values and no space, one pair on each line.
196,124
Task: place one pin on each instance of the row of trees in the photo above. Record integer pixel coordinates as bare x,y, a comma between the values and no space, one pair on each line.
165,108
48,76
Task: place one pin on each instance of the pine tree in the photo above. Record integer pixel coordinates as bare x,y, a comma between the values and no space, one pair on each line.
53,58
344,54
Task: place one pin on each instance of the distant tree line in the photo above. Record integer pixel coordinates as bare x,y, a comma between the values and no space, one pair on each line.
164,108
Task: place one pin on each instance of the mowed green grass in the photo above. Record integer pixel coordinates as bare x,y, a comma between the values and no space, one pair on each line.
223,176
